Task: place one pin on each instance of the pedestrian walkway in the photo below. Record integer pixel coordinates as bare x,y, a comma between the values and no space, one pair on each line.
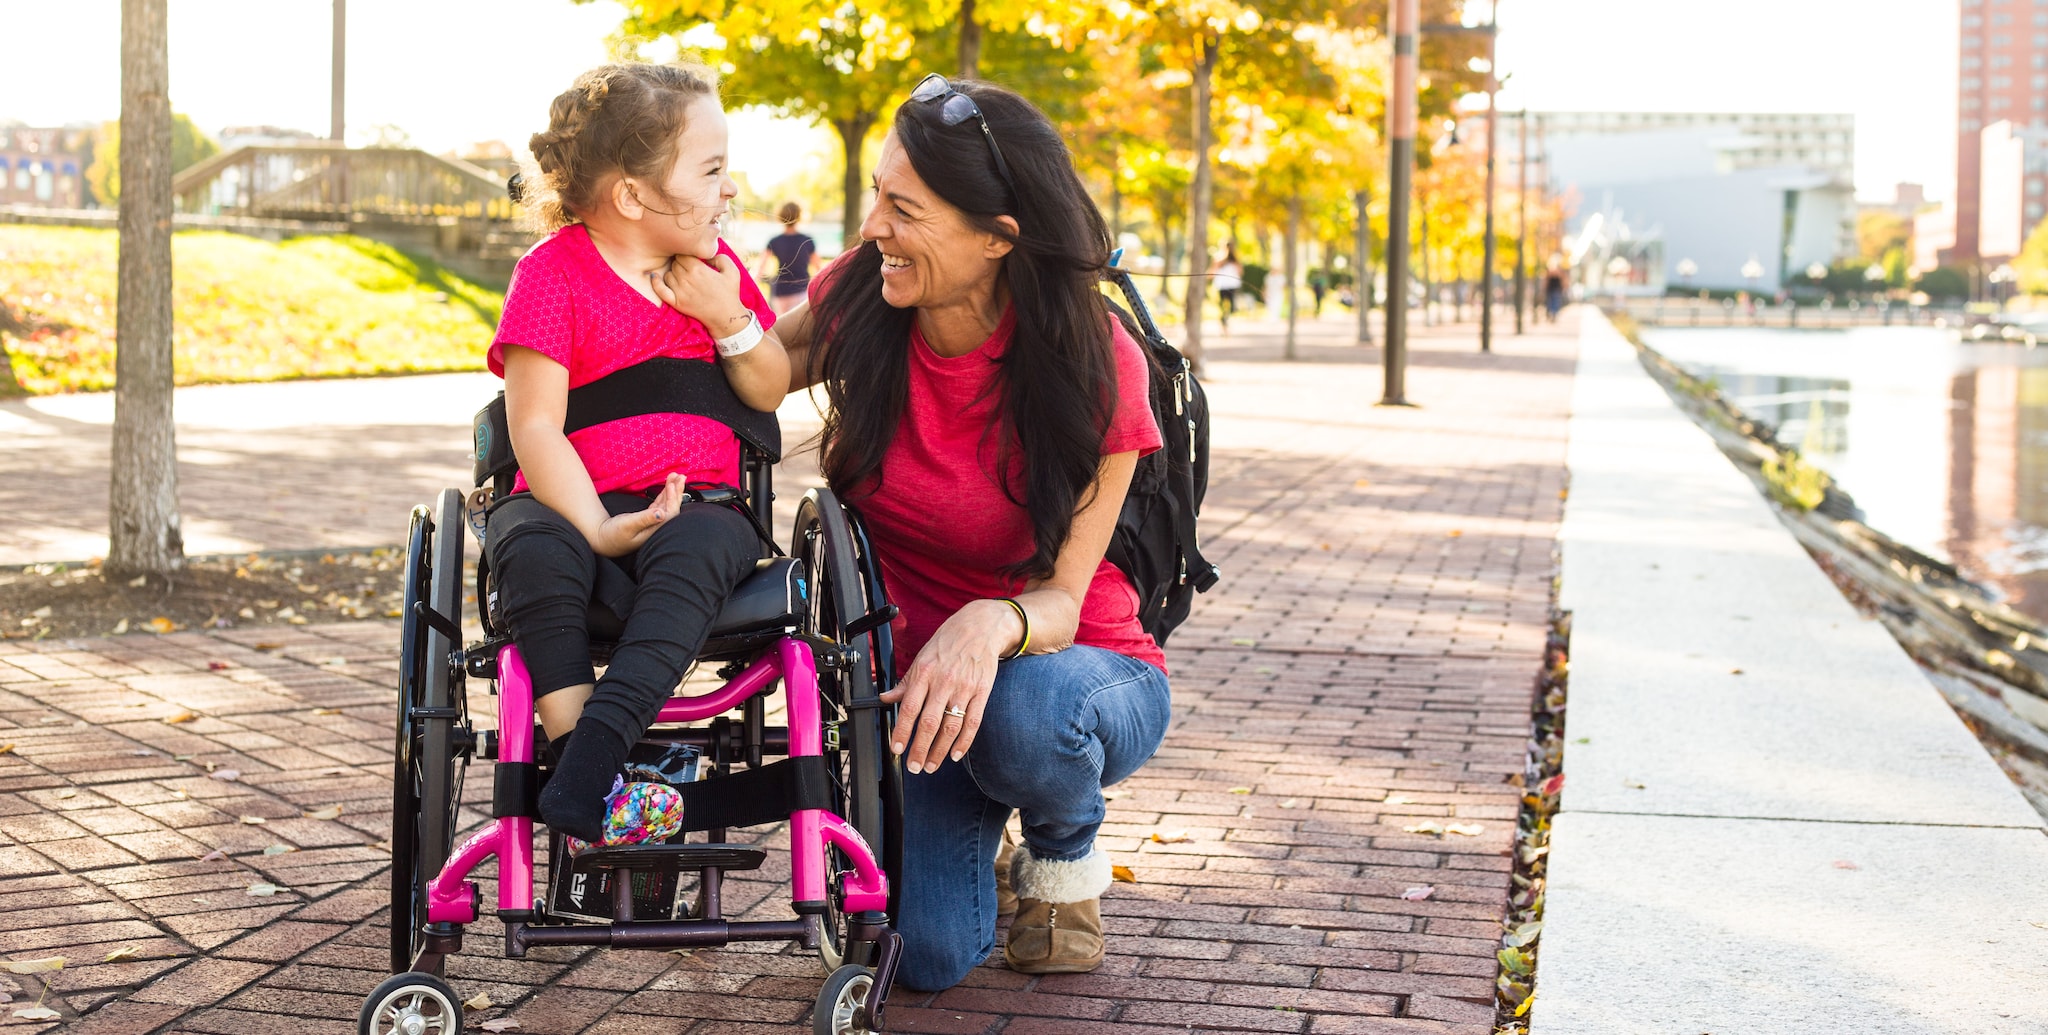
1364,668
1771,821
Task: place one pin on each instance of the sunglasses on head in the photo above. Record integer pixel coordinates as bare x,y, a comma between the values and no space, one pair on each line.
957,107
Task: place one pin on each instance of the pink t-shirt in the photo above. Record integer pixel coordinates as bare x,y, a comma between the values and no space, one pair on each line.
566,303
941,522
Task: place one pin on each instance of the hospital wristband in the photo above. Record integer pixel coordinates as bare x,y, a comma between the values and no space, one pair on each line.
744,341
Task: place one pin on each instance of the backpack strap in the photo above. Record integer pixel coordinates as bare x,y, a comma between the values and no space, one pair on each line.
1196,569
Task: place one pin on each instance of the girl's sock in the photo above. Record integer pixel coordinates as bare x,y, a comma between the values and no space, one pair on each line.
589,762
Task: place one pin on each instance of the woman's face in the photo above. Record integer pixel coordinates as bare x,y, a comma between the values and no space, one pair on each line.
699,189
932,257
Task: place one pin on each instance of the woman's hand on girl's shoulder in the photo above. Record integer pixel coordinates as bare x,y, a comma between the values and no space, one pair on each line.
707,291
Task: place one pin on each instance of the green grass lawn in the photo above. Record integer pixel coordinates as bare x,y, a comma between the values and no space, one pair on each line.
244,309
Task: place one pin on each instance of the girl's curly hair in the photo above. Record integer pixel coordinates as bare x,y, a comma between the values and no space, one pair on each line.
621,118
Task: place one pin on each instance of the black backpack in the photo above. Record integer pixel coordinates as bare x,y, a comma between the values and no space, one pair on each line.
1154,542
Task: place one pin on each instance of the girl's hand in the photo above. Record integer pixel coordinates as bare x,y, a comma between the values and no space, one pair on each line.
940,701
622,534
708,291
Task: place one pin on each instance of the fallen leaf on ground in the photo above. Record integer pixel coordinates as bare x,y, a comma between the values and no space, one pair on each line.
213,856
1467,829
278,849
121,627
180,795
1454,533
1525,933
1515,961
38,1013
160,624
330,812
138,582
279,646
1240,790
1552,785
1844,864
65,792
1425,827
125,952
35,966
254,821
216,666
229,775
7,748
264,889
479,1002
1177,837
1123,873
1291,803
1734,671
327,711
1360,484
1418,894
1400,799
498,1025
182,716
1244,642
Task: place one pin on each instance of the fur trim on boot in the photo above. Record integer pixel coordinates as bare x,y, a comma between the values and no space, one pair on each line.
1050,880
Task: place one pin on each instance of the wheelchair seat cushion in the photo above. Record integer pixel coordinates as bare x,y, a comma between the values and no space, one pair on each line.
767,601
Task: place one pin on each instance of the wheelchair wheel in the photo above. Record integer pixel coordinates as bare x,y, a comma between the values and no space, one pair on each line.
411,1004
844,997
845,587
426,790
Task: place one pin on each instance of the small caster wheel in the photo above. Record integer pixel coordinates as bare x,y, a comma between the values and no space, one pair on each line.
411,1004
844,997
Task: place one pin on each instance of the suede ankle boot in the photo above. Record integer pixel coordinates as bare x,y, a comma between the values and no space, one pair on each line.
1058,928
1006,899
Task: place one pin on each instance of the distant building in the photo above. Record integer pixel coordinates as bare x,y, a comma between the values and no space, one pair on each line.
262,136
44,167
1934,234
1907,200
2003,77
1719,200
2013,171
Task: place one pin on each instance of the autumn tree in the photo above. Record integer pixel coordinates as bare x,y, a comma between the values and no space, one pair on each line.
2032,262
142,521
189,146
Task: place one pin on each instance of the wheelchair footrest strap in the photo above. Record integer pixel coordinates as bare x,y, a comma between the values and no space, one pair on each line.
688,858
764,795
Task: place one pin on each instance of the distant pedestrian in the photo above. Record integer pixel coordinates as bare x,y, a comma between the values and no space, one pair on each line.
1553,293
1318,285
796,258
1228,276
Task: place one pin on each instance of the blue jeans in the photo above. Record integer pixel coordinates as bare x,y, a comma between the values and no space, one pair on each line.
1057,729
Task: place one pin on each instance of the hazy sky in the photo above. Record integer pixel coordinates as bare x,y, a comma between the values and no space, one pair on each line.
453,71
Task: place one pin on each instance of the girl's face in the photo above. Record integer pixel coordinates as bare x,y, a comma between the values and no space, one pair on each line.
688,213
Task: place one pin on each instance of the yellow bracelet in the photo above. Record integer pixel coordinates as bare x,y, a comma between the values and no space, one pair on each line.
1025,643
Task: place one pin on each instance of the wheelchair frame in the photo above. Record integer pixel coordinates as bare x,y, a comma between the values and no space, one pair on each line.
832,664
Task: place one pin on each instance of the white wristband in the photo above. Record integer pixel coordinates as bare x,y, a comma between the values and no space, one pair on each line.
744,341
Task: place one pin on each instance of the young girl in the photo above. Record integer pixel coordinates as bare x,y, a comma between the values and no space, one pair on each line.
632,179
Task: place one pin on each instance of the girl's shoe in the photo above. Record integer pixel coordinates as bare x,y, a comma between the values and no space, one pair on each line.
637,813
1058,928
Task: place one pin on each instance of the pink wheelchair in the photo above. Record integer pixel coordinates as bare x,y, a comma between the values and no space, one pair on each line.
812,626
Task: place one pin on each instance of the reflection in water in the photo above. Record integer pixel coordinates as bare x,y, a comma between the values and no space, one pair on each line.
1944,446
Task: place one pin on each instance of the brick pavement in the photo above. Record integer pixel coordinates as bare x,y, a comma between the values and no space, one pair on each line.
1364,667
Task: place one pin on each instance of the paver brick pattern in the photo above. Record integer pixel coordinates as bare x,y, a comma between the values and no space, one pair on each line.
1364,667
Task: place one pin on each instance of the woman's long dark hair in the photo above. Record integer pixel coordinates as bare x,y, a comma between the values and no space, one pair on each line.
1058,378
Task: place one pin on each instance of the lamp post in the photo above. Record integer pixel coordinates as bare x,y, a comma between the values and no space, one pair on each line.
1492,120
1404,18
1618,269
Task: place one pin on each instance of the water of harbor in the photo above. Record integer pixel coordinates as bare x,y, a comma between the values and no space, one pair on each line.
1943,444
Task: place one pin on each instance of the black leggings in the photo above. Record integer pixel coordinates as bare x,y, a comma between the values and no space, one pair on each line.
548,579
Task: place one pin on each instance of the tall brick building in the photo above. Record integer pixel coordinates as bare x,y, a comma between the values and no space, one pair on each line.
2003,77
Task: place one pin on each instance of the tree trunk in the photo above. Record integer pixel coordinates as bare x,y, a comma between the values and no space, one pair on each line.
143,536
970,41
1329,274
853,132
1292,258
1198,215
1116,205
1422,252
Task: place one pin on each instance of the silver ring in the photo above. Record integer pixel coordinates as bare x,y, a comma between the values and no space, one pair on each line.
957,712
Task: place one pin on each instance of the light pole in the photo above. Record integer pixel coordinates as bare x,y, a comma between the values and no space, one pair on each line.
1404,18
1492,120
1521,218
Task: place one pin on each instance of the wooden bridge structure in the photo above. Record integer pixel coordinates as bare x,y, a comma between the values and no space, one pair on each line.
457,212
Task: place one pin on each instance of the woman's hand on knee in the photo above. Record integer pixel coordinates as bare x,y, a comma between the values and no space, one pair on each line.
622,534
940,701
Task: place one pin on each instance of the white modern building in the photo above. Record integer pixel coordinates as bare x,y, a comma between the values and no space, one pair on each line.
1715,200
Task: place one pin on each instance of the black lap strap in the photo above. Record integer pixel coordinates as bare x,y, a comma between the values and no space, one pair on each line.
668,385
764,795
